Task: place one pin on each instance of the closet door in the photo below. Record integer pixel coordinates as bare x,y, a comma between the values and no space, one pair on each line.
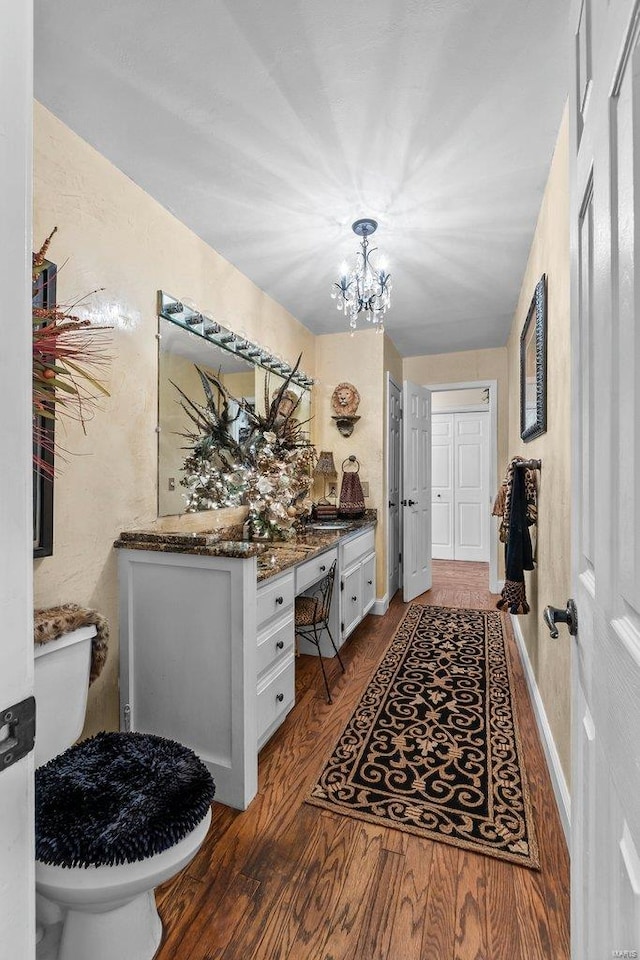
471,493
442,505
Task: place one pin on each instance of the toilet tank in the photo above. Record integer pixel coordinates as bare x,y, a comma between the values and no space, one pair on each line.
61,684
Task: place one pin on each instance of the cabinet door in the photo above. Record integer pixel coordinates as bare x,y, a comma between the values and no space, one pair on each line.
351,597
368,583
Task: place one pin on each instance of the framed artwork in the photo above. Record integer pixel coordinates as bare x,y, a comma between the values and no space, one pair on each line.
533,366
44,295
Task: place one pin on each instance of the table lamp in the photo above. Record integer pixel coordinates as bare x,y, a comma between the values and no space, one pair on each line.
325,467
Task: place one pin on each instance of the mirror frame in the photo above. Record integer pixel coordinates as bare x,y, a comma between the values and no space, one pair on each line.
533,351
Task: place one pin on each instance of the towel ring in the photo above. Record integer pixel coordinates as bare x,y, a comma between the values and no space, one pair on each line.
351,459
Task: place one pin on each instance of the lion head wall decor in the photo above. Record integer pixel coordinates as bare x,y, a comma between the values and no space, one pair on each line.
345,400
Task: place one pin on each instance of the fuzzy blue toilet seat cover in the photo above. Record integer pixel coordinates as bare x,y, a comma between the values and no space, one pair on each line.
118,798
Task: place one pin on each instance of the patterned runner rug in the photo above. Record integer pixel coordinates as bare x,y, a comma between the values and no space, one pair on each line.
433,746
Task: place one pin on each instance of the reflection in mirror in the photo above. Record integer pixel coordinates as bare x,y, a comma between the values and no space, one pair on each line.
180,349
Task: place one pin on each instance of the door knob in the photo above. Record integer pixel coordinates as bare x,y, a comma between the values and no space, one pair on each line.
553,615
412,503
391,504
438,494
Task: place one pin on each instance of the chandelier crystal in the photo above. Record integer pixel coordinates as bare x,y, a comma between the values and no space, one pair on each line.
365,288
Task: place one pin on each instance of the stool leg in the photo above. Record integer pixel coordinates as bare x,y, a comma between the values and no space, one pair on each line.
316,640
333,644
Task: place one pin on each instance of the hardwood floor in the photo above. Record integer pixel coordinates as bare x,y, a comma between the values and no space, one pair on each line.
288,881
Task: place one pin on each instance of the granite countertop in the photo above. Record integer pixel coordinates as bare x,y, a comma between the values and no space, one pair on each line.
273,556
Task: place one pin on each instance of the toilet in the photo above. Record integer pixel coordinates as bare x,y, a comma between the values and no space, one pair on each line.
88,912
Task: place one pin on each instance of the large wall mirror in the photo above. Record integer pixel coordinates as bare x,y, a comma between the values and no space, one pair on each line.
184,344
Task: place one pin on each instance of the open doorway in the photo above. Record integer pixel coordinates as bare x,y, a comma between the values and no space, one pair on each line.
464,473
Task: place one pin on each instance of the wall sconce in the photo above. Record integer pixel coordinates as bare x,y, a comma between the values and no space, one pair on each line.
184,313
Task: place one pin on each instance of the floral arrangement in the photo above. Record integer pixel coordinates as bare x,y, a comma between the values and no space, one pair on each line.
68,360
269,469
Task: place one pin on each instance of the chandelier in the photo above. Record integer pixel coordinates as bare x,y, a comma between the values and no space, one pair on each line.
365,288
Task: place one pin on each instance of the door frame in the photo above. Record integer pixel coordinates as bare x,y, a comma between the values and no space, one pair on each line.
495,585
386,600
17,864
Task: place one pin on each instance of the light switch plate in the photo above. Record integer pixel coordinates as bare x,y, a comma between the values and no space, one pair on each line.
365,488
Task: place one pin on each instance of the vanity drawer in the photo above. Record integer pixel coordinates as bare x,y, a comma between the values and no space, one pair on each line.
360,546
274,643
276,696
275,599
313,570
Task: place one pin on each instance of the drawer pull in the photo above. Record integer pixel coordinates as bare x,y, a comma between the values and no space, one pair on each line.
323,568
370,582
280,645
280,697
279,599
354,599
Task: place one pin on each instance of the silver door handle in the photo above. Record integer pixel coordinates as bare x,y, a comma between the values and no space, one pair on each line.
553,615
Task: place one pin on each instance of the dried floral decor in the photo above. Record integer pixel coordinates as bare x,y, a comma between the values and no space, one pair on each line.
269,469
68,362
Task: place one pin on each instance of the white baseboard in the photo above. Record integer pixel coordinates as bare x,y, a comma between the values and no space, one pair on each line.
560,789
496,587
380,607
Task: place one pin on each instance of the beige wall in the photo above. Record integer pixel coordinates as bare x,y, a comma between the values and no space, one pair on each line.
356,358
550,582
445,400
463,367
112,234
392,361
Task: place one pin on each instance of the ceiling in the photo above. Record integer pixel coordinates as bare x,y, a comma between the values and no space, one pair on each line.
268,127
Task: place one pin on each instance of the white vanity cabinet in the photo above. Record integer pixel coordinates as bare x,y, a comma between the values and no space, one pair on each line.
276,654
207,654
188,658
357,580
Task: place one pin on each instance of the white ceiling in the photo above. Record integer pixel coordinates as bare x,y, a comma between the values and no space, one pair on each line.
268,126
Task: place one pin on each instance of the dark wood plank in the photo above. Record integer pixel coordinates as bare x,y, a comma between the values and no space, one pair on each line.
341,929
380,911
287,881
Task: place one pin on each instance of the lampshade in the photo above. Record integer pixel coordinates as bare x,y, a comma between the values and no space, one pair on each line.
325,466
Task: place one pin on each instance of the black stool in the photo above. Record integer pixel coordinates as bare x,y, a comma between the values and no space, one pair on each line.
312,617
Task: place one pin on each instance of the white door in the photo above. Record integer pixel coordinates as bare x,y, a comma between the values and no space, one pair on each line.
605,224
471,493
460,486
416,487
17,894
442,498
393,482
